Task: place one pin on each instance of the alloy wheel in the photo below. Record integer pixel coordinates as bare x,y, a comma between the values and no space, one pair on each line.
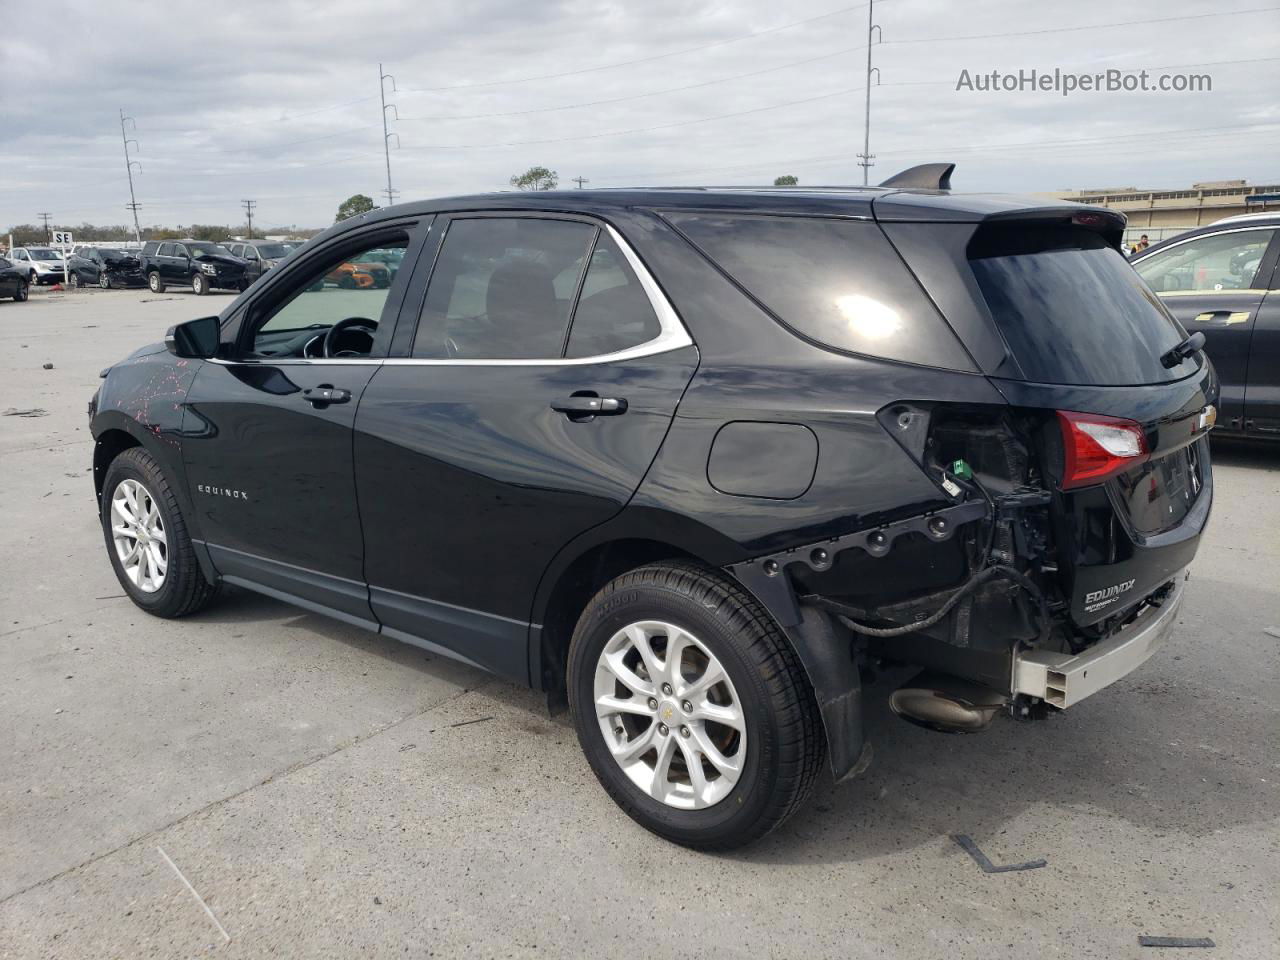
74,282
670,715
137,530
104,281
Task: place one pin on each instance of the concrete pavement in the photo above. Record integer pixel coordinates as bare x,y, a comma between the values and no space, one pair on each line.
324,794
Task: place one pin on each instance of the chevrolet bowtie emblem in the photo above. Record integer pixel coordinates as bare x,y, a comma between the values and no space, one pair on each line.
1207,418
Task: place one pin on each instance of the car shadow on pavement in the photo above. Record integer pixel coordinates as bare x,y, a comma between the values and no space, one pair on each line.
1237,452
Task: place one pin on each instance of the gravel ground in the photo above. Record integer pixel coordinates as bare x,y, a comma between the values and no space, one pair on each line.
318,789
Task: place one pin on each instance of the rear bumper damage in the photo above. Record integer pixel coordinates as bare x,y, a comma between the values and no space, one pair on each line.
1064,679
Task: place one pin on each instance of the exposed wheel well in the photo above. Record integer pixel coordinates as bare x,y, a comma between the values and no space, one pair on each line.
108,446
580,581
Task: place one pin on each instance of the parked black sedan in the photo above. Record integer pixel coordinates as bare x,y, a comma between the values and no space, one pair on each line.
105,267
13,281
1222,280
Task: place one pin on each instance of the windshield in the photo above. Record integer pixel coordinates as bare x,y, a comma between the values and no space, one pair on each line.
38,254
1071,309
201,249
115,254
273,251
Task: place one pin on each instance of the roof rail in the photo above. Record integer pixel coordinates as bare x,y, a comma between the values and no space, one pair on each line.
926,176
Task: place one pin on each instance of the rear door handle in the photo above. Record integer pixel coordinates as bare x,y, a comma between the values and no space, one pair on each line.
590,406
326,394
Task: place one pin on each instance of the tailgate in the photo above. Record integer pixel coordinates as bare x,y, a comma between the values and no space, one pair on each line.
1127,535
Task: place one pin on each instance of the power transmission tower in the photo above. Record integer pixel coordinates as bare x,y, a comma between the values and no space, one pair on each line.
44,217
128,166
248,212
387,134
580,181
866,157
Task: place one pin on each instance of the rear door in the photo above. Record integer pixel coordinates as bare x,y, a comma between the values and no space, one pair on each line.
1210,283
540,371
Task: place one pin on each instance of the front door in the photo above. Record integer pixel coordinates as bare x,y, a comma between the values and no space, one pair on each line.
267,433
542,377
1209,283
1262,395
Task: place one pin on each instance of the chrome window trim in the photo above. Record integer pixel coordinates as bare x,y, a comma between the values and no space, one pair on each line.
672,336
1206,236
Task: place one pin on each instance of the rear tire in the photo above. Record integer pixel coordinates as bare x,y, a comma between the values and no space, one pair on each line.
23,291
154,282
137,480
779,750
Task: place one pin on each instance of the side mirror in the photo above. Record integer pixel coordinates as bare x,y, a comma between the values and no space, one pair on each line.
195,339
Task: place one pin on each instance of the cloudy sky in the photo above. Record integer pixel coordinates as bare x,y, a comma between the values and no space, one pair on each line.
278,101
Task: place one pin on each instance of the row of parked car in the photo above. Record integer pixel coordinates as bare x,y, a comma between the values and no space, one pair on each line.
198,264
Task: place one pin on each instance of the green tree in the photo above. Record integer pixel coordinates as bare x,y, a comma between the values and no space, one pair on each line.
353,206
536,178
785,181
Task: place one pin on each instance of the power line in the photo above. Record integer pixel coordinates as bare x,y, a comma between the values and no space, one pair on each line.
628,63
1094,26
661,126
248,212
44,218
580,181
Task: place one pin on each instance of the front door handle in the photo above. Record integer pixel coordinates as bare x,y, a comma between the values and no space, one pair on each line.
1223,318
590,406
325,394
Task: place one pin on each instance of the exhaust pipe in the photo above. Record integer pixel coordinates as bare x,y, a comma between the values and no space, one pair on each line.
947,704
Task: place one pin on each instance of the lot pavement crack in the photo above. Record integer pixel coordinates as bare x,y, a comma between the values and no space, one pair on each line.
275,775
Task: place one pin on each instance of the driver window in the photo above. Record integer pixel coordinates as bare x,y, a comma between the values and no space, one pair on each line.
349,288
1220,261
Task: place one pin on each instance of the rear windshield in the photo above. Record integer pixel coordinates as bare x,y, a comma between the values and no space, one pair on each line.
1071,308
836,282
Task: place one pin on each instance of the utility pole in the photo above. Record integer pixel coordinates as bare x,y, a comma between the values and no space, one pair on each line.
128,166
866,157
45,218
387,134
580,181
248,212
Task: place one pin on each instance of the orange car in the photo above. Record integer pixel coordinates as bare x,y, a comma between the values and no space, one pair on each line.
351,276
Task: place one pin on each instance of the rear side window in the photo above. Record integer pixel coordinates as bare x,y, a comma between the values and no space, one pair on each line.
613,311
502,289
1071,309
149,250
837,282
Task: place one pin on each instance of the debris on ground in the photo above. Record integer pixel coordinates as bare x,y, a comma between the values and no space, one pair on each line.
971,848
48,366
25,412
1145,941
467,723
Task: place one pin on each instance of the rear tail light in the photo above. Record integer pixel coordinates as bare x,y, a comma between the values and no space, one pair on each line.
1098,447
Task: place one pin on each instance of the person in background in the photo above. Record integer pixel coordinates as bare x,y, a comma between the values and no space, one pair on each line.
1141,245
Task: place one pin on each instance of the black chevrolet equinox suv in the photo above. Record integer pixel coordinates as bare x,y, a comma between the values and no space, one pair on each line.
692,462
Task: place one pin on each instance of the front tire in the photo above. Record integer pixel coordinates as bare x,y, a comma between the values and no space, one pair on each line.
711,749
147,541
74,281
104,281
154,282
199,285
23,291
